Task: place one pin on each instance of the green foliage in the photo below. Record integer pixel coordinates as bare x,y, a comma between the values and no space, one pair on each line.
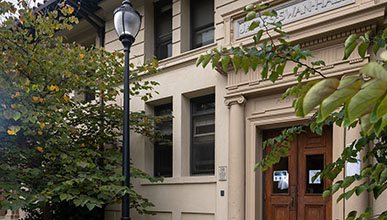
280,147
271,57
55,147
347,102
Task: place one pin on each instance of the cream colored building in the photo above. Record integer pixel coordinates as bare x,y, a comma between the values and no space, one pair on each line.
237,111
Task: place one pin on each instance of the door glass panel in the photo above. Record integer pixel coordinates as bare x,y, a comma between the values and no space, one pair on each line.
314,164
281,176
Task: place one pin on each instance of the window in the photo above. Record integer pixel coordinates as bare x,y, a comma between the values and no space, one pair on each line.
89,94
163,29
163,150
203,135
202,23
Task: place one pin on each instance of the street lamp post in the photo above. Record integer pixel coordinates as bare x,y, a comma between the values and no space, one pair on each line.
127,22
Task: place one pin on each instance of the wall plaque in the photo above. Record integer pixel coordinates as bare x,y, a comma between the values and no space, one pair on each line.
289,12
222,172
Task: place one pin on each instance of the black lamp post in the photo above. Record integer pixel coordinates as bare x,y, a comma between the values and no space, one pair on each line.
127,22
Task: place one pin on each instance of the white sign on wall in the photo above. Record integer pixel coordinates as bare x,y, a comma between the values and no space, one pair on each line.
290,12
222,172
353,168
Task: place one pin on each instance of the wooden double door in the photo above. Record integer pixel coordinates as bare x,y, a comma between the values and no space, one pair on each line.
290,193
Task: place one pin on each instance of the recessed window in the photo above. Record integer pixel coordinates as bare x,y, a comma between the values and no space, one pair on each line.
202,23
163,150
203,135
89,94
163,29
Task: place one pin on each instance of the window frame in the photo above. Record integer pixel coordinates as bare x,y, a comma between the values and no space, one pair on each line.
195,30
193,114
158,40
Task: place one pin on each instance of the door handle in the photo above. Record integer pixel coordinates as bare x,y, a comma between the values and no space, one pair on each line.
292,205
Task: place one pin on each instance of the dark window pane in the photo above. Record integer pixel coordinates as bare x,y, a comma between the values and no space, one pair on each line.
314,164
204,125
202,23
163,160
89,96
281,176
203,158
163,150
163,29
203,37
203,104
203,135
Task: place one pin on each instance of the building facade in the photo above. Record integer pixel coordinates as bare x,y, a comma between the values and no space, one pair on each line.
221,118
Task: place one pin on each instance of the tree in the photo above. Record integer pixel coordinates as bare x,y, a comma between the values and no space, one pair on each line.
58,151
349,101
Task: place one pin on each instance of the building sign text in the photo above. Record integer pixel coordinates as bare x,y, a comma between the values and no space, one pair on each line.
290,12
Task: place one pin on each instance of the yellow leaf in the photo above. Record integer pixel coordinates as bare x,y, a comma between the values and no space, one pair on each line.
41,100
35,98
17,93
12,130
40,132
66,98
4,105
81,55
71,10
83,145
40,149
42,125
48,115
56,110
54,87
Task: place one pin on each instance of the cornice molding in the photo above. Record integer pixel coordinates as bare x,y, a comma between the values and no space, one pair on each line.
340,35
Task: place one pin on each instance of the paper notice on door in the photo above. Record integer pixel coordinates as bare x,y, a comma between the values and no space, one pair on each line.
281,176
312,173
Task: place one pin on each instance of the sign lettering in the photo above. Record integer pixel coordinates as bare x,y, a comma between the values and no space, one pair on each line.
288,13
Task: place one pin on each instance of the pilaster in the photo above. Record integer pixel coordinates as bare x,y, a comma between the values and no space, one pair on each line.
236,161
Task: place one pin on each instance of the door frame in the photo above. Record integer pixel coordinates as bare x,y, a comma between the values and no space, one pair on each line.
304,145
254,192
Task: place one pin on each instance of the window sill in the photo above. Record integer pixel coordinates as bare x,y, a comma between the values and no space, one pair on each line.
182,180
185,56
